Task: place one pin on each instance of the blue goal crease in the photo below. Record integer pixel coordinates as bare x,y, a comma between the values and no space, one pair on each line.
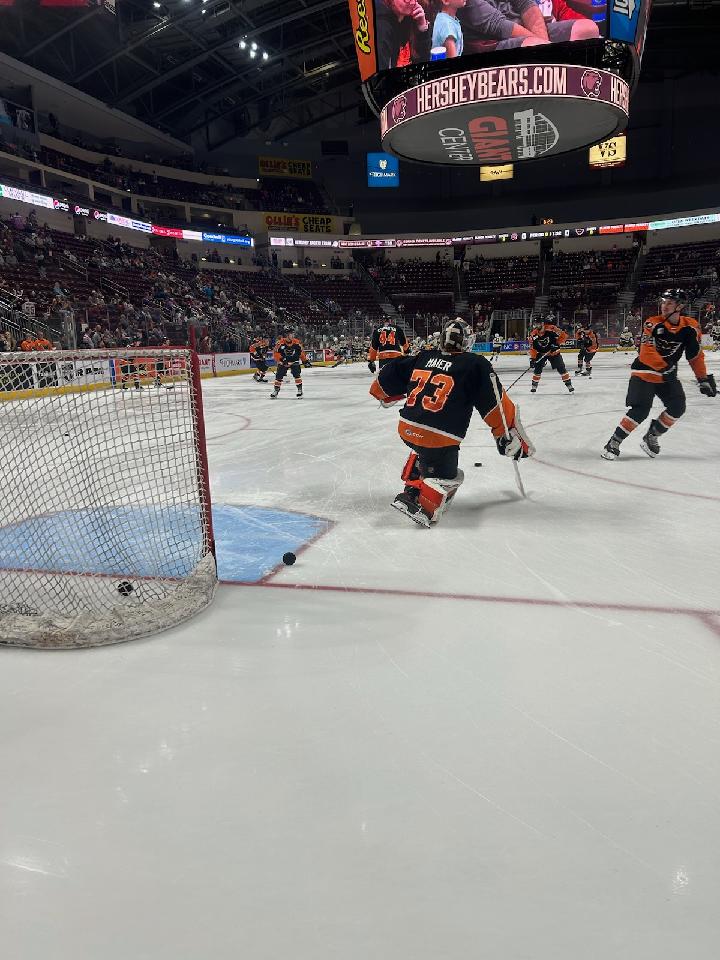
156,541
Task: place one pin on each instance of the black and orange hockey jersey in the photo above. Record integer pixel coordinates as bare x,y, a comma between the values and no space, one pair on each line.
588,340
289,350
442,390
387,343
546,339
258,348
663,343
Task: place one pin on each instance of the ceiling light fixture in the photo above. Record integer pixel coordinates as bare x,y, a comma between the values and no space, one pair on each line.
242,44
266,55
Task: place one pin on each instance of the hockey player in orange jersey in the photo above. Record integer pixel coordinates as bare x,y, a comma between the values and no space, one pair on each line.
546,338
654,372
288,355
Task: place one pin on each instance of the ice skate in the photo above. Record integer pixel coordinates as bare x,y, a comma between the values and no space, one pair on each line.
611,450
407,503
649,443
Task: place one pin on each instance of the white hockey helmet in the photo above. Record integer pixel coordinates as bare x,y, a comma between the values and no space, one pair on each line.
457,335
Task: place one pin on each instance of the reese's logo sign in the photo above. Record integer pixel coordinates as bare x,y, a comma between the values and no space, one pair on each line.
361,14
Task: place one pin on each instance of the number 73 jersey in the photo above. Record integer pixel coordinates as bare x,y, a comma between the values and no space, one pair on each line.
442,390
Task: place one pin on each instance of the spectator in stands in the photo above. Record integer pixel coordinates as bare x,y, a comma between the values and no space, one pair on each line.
507,24
447,33
403,33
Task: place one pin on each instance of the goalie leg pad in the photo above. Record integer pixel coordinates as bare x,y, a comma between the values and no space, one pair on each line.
436,495
411,470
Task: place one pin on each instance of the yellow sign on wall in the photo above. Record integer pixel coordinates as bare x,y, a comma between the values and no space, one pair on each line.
282,167
303,222
505,171
609,153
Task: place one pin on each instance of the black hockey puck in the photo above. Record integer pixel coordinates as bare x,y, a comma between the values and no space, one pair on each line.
125,588
289,559
478,464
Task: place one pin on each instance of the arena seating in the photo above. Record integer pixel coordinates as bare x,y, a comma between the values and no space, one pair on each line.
115,285
694,266
502,283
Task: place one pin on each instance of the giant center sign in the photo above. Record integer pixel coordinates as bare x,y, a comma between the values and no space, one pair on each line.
505,114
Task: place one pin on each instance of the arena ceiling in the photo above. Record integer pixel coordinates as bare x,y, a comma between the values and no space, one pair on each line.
181,66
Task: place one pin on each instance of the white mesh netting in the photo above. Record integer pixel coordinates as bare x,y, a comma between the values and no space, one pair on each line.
105,530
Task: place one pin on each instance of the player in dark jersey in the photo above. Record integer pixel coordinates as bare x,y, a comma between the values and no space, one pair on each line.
588,343
387,343
258,354
546,338
128,368
289,354
663,341
441,388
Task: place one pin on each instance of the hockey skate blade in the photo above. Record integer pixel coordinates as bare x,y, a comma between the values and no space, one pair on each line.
646,449
418,517
607,455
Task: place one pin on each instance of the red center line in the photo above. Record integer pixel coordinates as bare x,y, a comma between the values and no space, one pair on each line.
481,598
628,483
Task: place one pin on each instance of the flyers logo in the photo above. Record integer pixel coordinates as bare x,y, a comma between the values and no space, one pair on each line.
362,34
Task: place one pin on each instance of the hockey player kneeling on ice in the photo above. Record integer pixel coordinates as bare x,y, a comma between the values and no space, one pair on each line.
546,338
625,341
654,372
715,334
288,356
441,388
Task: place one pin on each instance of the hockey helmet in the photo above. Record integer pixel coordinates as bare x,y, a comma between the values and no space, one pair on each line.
676,294
457,335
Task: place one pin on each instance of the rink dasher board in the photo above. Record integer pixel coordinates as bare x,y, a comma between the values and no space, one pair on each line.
44,378
54,378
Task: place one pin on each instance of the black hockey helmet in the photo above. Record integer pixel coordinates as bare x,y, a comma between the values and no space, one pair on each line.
676,294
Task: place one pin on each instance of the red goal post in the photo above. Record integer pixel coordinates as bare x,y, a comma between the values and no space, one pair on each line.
105,521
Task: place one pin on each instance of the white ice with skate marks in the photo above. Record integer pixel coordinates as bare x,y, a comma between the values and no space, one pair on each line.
381,768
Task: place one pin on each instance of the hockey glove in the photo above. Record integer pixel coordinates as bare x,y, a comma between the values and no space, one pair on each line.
518,445
371,366
391,401
513,446
707,386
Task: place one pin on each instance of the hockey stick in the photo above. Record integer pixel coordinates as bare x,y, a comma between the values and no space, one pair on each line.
519,378
542,356
518,478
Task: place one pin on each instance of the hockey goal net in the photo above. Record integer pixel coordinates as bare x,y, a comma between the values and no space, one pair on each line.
105,523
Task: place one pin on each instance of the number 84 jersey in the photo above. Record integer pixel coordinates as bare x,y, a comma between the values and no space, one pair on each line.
442,390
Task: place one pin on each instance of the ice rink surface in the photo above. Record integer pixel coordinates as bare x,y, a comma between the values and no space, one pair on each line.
498,738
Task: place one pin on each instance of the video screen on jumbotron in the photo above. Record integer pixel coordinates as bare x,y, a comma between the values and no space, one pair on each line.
392,34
